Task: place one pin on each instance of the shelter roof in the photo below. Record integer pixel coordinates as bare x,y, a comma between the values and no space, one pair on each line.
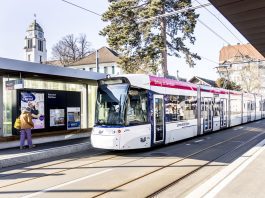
13,68
248,17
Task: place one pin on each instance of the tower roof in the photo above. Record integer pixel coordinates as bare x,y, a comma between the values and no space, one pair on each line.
35,26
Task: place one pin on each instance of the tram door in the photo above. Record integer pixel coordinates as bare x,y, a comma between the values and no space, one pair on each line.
207,114
158,118
248,111
223,112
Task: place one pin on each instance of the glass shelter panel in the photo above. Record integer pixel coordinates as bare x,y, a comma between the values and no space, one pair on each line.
9,95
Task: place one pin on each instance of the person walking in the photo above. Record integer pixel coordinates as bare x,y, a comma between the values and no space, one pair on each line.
26,126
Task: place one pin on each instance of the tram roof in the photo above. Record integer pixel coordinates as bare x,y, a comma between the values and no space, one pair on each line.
248,17
13,68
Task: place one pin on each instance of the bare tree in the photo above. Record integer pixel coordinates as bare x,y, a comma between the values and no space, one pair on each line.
251,78
71,49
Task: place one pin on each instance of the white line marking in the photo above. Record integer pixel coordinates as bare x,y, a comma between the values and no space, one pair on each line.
198,141
188,144
216,183
64,184
237,128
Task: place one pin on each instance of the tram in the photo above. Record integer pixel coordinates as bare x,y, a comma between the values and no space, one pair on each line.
137,111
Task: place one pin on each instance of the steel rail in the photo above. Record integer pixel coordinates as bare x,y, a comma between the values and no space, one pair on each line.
177,161
154,194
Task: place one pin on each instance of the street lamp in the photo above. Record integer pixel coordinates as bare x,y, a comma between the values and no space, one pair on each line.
97,61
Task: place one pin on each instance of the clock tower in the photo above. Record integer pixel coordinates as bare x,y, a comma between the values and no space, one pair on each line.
35,44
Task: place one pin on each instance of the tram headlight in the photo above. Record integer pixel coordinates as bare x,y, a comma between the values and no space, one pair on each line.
119,131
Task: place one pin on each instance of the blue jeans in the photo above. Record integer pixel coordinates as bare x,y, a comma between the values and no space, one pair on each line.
23,134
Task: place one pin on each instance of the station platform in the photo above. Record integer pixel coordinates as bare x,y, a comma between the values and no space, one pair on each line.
15,156
243,178
247,179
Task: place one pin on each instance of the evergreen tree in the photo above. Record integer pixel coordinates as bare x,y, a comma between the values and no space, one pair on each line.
144,46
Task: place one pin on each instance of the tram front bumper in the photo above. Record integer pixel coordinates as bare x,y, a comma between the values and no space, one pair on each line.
105,142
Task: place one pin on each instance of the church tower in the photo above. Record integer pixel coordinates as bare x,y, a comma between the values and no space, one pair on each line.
35,44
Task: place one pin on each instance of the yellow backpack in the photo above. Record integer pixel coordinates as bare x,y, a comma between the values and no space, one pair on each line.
17,124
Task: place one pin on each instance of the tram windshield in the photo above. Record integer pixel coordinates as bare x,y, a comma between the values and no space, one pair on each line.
111,104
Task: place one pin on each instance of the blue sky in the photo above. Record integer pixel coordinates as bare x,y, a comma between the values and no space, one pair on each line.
58,19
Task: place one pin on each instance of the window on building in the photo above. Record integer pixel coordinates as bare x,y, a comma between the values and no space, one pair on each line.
113,69
40,45
40,59
29,43
29,57
105,70
181,108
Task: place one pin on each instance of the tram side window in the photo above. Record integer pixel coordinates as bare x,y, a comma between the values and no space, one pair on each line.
181,108
235,106
262,105
216,108
137,107
253,106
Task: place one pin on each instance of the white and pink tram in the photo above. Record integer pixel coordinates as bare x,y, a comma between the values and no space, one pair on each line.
141,111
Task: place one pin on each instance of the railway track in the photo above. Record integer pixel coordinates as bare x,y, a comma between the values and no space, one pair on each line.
234,133
164,188
53,164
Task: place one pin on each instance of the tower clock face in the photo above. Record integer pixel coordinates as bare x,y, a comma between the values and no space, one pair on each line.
40,35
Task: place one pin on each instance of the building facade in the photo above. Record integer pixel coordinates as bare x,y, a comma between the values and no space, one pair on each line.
107,62
244,65
35,44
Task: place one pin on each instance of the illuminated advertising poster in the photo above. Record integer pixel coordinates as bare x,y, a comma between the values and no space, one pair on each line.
35,101
73,118
57,117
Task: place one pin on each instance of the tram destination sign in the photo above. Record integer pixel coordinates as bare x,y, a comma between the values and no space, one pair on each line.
14,84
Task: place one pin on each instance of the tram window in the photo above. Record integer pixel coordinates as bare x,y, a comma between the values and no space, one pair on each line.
262,105
181,108
110,106
235,106
248,106
253,106
216,108
137,107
